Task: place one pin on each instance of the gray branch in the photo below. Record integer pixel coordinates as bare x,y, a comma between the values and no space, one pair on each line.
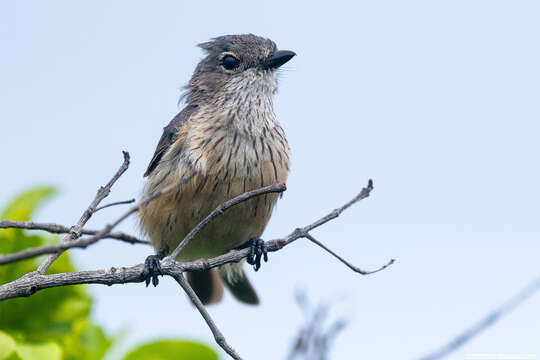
275,188
218,336
35,281
32,282
55,248
485,323
348,264
74,233
123,202
54,228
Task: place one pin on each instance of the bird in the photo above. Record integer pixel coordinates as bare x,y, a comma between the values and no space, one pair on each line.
224,142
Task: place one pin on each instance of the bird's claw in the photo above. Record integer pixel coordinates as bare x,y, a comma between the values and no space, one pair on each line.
152,268
257,250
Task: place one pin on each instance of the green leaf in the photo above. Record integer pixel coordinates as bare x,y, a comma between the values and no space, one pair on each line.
21,209
44,351
24,205
50,310
14,240
53,323
172,349
88,342
7,347
73,308
10,350
49,313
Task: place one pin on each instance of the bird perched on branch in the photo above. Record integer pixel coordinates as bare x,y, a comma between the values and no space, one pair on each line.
225,142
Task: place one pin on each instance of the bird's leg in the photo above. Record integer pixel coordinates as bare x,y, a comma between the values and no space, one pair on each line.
257,249
152,268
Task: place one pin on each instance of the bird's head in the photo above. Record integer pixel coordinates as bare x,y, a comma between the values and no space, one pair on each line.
236,66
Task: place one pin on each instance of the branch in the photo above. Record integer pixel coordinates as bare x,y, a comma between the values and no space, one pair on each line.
275,188
107,230
218,336
83,243
54,248
57,249
314,339
32,282
74,233
130,201
351,266
51,249
483,324
61,229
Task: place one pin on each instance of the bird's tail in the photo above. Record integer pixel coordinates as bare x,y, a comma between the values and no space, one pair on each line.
235,279
208,284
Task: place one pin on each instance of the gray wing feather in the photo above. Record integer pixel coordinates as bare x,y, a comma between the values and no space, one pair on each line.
170,133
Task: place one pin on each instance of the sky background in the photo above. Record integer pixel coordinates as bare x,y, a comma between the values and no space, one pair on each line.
437,101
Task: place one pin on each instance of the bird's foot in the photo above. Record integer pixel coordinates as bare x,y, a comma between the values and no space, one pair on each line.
152,268
257,250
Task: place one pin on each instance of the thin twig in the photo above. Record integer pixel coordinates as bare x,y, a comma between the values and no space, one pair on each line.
218,335
102,193
351,266
31,225
486,322
130,201
83,243
334,214
314,339
302,232
48,249
108,228
275,188
61,229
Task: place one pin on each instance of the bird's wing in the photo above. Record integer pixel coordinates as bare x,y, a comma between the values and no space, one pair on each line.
170,133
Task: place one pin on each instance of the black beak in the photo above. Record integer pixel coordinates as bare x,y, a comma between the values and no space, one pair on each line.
278,58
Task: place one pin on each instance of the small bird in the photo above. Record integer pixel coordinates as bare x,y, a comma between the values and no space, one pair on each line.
225,142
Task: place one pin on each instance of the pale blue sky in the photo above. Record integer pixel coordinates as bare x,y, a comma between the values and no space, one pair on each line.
437,101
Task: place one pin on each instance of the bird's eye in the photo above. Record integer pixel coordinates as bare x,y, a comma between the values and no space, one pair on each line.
229,62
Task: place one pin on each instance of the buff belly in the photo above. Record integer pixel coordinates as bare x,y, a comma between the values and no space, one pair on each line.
168,219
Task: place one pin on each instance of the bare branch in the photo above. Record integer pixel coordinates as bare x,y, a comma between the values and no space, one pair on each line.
351,266
32,282
334,214
303,232
489,320
102,193
314,339
130,201
61,229
31,225
107,230
275,188
76,243
74,233
83,243
49,249
218,335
